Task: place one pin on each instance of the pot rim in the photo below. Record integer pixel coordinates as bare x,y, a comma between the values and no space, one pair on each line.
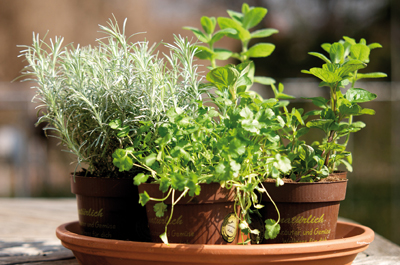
356,239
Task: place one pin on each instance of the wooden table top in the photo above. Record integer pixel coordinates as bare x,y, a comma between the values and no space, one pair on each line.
27,234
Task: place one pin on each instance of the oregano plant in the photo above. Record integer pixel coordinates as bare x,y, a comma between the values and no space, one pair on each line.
334,115
238,26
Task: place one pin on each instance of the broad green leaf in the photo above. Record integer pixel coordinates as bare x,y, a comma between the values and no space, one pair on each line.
236,16
245,8
200,35
140,178
284,96
320,124
374,46
253,17
123,131
242,34
222,54
360,52
326,47
150,159
251,125
264,80
371,75
367,111
204,53
321,56
208,24
160,208
325,75
350,40
221,33
222,76
272,229
350,67
319,101
263,33
359,95
260,50
122,160
336,52
115,124
143,198
246,113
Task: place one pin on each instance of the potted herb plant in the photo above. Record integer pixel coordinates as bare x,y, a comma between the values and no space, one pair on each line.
96,99
234,147
309,200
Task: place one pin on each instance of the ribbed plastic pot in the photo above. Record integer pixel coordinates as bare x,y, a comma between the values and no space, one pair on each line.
308,211
109,208
205,219
351,239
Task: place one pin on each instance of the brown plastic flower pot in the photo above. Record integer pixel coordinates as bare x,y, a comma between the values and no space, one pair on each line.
308,211
205,219
351,239
109,208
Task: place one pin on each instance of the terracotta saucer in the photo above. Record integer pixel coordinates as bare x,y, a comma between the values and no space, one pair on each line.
351,239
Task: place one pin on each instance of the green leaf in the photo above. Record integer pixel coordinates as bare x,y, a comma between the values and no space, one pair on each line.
143,198
272,229
200,35
326,47
150,159
336,52
359,95
260,50
319,101
204,53
241,33
321,56
374,46
325,75
263,33
367,111
221,33
208,24
164,238
222,54
253,17
222,76
371,75
140,178
264,80
360,52
123,131
320,124
160,208
246,113
115,124
122,160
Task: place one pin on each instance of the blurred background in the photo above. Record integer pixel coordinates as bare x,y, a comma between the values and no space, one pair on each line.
32,165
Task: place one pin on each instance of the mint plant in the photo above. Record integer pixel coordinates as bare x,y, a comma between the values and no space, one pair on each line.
335,114
92,98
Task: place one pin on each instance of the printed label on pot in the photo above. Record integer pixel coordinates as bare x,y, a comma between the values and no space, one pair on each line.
229,228
307,228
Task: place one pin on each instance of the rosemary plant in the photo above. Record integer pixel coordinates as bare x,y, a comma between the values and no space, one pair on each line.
93,97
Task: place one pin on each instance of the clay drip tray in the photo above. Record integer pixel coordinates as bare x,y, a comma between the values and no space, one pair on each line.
351,239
